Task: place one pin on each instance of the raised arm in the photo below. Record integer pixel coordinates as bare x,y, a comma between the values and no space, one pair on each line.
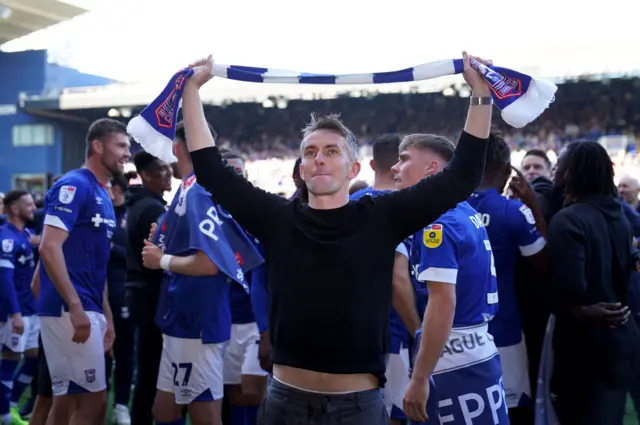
413,208
251,207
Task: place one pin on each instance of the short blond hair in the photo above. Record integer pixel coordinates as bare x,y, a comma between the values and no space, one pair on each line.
440,145
332,122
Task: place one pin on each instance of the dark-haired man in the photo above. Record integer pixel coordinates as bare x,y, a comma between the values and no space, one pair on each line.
596,345
535,164
122,351
75,318
19,325
513,228
145,203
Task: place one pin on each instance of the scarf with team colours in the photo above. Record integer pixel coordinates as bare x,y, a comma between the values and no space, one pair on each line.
520,97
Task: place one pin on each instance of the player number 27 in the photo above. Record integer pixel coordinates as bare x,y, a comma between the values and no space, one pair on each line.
186,375
487,245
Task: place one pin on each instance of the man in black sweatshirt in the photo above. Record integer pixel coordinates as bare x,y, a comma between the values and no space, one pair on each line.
596,346
145,204
330,262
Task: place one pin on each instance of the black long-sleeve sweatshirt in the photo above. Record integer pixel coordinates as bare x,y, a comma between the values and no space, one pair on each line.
330,271
144,208
591,261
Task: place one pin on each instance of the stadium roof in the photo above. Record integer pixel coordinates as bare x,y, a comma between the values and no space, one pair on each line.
22,17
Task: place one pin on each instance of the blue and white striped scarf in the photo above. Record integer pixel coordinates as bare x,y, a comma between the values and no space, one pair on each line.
520,97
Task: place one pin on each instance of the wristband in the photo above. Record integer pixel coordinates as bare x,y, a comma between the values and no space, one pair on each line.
165,261
479,101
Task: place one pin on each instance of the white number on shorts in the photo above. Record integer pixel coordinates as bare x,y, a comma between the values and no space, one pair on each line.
185,376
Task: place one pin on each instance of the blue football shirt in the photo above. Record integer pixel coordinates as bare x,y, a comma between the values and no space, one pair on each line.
79,204
512,229
456,249
16,272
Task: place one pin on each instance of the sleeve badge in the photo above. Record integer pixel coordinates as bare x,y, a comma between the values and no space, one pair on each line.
432,236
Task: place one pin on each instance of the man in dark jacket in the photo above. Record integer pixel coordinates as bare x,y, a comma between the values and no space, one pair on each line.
116,277
596,346
145,204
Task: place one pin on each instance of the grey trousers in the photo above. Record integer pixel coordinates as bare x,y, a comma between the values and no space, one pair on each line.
285,405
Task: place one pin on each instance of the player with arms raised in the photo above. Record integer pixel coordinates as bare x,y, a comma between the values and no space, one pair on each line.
78,225
512,227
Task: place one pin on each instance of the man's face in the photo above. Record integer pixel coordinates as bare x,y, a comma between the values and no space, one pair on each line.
24,208
158,176
629,189
414,165
326,167
533,167
114,153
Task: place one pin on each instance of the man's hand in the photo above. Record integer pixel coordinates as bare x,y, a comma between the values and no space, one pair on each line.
264,352
521,189
109,338
202,72
478,84
152,231
151,255
80,322
414,402
611,314
17,324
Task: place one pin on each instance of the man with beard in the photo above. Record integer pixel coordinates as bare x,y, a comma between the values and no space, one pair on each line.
19,325
75,317
145,204
596,346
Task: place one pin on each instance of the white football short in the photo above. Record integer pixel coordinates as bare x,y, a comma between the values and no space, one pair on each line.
191,370
241,355
515,373
397,375
21,343
74,368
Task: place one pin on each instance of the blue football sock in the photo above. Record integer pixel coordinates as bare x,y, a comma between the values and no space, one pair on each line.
22,378
7,368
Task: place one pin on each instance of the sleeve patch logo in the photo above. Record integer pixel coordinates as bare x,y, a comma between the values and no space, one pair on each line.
7,245
432,236
528,215
67,193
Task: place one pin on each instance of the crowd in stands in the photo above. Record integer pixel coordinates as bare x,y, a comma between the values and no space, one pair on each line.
583,109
